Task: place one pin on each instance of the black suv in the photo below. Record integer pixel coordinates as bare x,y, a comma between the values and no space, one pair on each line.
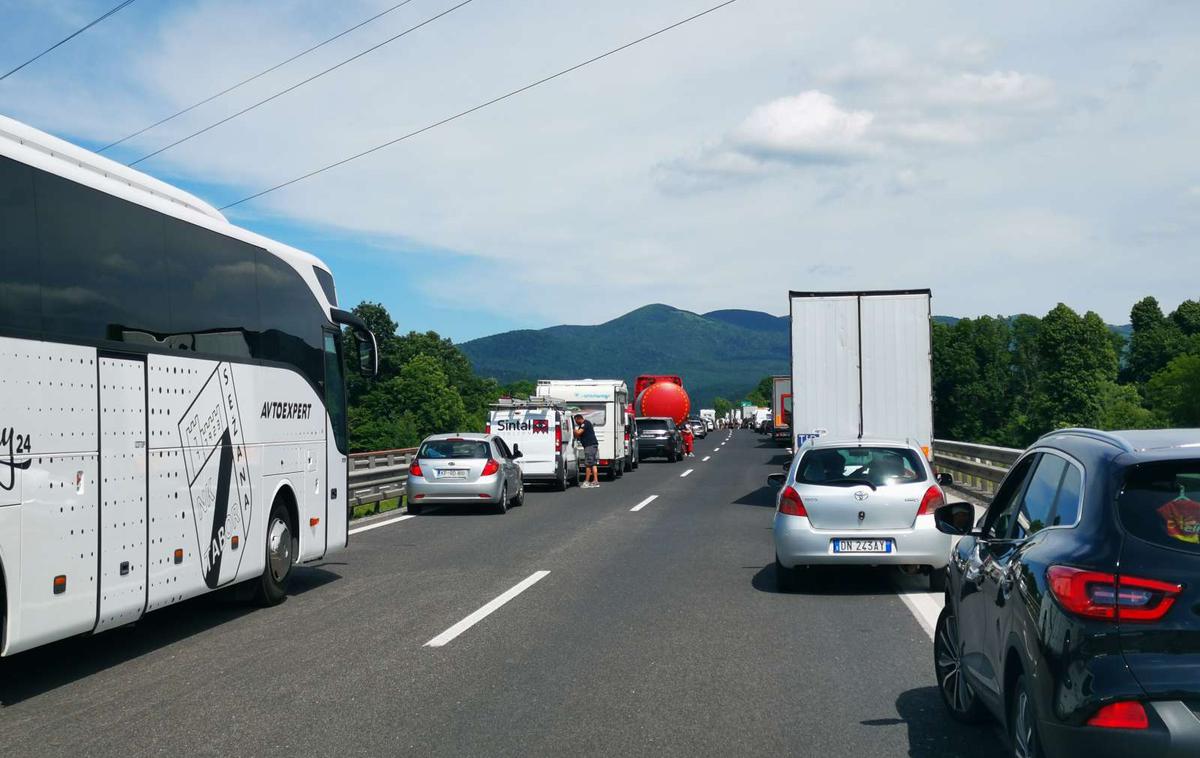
1073,606
658,436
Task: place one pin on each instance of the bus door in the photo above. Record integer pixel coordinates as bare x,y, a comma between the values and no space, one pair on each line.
123,488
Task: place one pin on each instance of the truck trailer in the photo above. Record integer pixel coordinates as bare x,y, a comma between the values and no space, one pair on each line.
862,366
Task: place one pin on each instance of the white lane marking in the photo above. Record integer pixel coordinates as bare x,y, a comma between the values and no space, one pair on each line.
378,524
926,606
486,610
685,473
705,458
644,503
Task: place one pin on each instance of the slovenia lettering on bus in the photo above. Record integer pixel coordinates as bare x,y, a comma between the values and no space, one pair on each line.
274,410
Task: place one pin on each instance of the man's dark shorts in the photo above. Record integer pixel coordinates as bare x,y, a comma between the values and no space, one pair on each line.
591,455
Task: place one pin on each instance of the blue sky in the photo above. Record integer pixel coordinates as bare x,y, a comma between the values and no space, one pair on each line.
1010,157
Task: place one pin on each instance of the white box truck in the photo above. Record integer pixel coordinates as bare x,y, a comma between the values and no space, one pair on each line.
544,429
603,402
710,417
862,366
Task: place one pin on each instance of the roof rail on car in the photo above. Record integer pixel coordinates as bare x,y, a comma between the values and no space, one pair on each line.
1095,434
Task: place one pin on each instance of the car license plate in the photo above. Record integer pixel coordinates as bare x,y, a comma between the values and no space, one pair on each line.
451,473
862,546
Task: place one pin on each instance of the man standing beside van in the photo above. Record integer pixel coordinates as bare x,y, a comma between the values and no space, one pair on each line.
586,434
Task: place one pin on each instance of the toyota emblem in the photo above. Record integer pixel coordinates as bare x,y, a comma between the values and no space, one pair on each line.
861,495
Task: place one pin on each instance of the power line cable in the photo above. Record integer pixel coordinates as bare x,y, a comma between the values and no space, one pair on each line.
243,82
479,107
66,39
298,85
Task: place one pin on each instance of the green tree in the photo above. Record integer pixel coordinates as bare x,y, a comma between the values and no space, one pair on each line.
1174,392
1121,408
761,394
1077,360
722,406
1155,339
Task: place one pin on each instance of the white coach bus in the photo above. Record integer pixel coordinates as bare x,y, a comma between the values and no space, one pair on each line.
172,398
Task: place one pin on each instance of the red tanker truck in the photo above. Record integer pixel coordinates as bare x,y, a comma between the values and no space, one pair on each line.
662,395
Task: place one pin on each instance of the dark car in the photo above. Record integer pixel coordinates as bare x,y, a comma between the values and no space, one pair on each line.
659,437
1073,606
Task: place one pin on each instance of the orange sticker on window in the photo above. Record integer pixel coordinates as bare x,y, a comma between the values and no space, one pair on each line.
1182,519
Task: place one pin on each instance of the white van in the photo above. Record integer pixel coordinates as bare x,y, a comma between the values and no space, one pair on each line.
601,401
544,429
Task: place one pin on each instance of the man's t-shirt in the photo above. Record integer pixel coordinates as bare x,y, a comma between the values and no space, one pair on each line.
588,438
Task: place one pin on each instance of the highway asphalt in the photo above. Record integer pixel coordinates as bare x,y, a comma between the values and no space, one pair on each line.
655,632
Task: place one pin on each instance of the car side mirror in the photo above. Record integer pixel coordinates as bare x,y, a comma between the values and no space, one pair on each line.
516,452
944,479
776,480
956,519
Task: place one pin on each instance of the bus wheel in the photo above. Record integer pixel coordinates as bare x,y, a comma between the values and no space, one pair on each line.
272,586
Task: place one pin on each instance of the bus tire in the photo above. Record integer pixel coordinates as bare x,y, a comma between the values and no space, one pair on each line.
280,547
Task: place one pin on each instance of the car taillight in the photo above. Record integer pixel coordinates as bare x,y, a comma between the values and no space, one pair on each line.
1095,594
933,500
487,428
558,439
790,503
491,467
1126,714
414,469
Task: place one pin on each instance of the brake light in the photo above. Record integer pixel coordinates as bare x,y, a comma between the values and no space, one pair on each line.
487,428
1126,714
934,499
790,503
1095,594
414,469
558,439
491,467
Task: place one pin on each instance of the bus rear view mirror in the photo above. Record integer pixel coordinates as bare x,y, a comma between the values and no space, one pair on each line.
368,353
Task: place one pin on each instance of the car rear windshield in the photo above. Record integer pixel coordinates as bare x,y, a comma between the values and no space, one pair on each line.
850,466
652,424
1160,503
594,412
453,449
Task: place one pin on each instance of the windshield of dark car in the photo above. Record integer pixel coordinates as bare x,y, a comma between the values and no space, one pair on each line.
453,449
851,465
1160,503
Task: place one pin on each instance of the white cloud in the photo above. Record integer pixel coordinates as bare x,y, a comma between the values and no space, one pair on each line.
804,128
1009,89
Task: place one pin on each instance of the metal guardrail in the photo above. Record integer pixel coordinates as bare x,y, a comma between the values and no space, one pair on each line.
980,466
378,476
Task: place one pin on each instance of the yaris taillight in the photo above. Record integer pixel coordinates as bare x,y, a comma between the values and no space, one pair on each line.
790,503
934,499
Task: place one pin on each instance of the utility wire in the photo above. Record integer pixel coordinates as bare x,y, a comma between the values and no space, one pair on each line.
301,84
479,107
243,82
66,39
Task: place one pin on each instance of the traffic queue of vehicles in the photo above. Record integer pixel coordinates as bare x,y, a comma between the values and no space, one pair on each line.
534,440
1072,606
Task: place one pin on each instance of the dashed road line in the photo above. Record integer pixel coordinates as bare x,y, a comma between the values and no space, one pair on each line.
378,524
644,503
685,473
486,610
705,458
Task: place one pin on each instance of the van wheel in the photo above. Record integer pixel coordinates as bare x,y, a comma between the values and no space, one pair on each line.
271,587
560,483
618,469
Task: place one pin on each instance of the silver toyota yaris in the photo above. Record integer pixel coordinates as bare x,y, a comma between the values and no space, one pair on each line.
465,468
863,502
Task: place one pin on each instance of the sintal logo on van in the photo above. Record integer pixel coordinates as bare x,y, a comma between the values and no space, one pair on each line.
537,426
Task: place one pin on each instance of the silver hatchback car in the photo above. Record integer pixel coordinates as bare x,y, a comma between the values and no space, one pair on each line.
465,468
864,502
